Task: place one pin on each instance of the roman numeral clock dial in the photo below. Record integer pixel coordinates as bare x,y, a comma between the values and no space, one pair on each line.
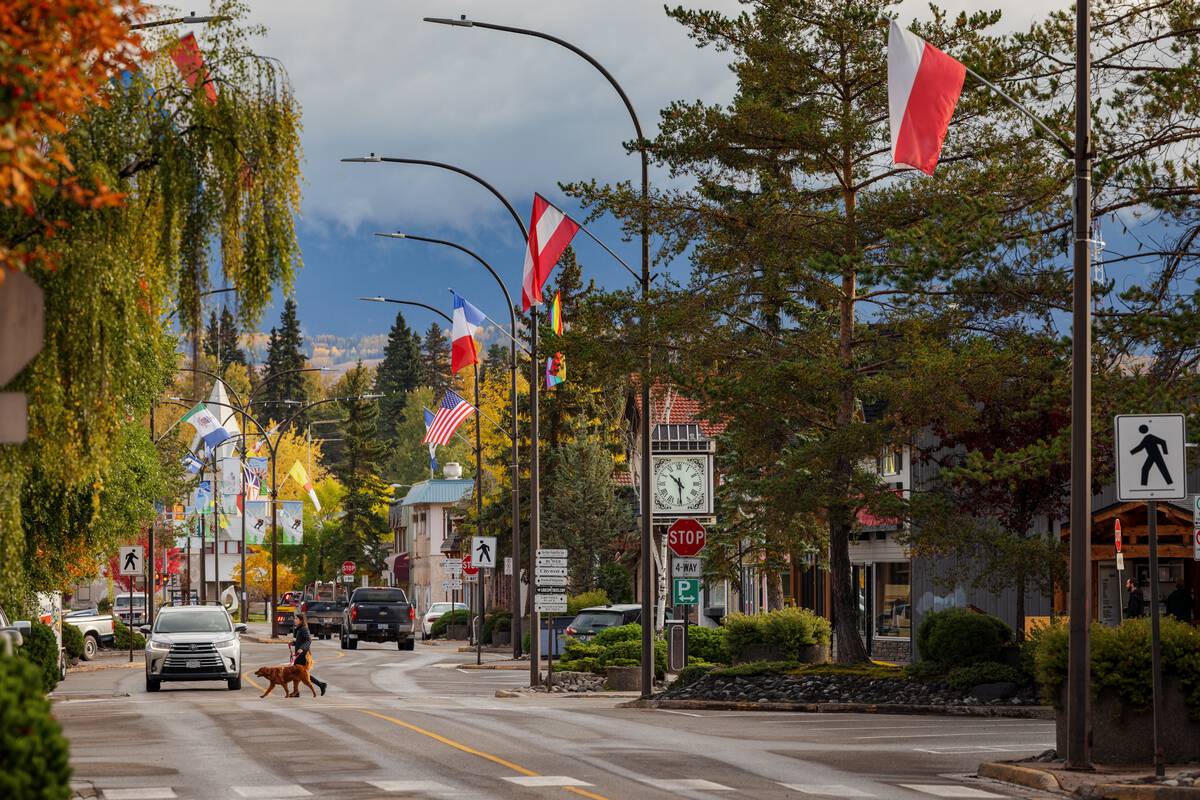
680,485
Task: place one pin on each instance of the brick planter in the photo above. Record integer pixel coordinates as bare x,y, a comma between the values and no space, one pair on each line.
1123,734
623,679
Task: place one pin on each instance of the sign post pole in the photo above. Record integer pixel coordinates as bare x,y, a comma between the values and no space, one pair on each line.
1155,641
1120,571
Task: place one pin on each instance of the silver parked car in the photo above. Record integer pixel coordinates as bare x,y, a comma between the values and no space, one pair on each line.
193,643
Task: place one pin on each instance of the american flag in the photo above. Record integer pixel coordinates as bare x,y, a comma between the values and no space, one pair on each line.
449,416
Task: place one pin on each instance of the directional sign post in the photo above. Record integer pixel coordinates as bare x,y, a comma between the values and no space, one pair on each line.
129,559
483,552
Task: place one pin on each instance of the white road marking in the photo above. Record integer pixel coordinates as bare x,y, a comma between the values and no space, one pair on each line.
939,735
148,793
830,790
948,790
967,749
686,784
680,713
272,792
545,780
409,786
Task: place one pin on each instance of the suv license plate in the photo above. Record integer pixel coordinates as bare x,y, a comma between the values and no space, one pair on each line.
192,664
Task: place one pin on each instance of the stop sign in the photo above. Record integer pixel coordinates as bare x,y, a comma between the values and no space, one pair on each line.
348,567
468,567
685,537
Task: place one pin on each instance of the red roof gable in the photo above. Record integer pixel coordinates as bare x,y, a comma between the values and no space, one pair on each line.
669,407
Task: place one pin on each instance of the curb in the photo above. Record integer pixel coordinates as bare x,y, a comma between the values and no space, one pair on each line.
1016,712
249,637
513,667
1022,776
1126,791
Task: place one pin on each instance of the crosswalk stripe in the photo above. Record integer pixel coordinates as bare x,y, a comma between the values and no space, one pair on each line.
828,790
685,784
409,786
545,780
276,792
950,790
145,793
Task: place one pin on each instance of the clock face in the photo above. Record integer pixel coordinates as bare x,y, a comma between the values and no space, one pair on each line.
680,485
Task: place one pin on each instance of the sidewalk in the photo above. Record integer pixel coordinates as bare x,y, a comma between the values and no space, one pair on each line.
1109,783
261,632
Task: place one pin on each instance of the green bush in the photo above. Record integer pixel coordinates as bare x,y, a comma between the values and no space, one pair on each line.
754,668
1121,660
121,637
1029,647
964,678
621,653
576,649
691,673
104,606
707,644
490,620
577,665
924,670
786,630
614,581
621,633
503,624
72,641
40,648
956,637
34,757
456,617
578,602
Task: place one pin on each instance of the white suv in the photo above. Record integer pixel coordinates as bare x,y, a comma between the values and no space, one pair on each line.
193,643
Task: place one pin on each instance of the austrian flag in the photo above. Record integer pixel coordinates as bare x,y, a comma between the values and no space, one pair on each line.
924,85
550,231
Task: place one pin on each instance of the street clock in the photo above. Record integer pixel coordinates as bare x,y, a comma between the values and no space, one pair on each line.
682,485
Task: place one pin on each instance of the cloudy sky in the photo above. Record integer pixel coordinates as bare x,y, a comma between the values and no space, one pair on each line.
523,113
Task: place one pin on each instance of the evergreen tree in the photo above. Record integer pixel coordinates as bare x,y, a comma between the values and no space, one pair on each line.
435,361
284,381
221,341
399,374
363,524
495,362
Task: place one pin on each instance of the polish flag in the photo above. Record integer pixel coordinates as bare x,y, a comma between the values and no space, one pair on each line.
464,351
550,231
923,88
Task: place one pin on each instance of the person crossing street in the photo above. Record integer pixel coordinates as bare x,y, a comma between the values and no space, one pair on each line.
302,653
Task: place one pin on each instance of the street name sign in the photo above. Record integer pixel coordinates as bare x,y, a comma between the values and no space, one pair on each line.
686,537
130,560
685,568
550,580
550,562
483,552
540,571
687,591
452,566
551,552
1150,457
452,585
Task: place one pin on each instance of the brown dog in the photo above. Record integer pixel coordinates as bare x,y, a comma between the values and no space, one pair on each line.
282,675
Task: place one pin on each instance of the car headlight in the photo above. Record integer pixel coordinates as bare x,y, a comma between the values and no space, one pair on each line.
226,642
157,645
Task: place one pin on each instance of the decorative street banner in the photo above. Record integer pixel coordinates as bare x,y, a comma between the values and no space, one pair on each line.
256,476
231,475
258,521
202,497
291,522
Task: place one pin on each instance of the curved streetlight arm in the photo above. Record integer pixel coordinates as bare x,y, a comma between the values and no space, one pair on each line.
268,378
373,159
425,306
222,381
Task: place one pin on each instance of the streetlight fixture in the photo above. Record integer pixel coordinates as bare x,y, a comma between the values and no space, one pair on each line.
190,19
647,594
534,377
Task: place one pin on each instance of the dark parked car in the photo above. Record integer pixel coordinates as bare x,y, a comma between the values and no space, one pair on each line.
378,614
592,620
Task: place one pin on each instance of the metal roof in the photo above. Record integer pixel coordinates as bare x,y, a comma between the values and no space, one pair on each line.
438,491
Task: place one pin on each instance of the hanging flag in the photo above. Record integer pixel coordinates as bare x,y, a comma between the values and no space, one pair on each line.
556,314
556,370
924,85
300,476
192,464
186,55
432,458
447,419
464,351
206,425
550,231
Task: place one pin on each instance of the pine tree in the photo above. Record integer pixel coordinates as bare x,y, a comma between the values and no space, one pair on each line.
435,361
221,341
399,374
495,362
363,526
282,373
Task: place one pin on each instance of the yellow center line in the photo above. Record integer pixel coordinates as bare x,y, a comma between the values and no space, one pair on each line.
253,682
472,751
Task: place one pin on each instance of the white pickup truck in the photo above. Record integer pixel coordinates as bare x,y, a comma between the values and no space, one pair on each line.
97,629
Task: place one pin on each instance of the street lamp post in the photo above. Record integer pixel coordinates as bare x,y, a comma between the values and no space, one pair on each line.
534,505
512,363
647,595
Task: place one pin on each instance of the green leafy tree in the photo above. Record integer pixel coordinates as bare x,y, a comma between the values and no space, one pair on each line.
363,523
398,374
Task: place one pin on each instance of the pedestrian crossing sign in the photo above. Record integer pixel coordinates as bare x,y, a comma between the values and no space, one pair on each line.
1150,457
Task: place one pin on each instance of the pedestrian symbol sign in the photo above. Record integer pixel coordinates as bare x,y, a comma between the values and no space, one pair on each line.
1150,457
130,560
483,551
687,591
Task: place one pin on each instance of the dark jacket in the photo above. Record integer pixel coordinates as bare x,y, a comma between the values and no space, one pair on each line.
1136,607
1179,605
302,643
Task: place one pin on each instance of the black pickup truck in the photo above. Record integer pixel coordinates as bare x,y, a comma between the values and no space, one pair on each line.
324,616
378,614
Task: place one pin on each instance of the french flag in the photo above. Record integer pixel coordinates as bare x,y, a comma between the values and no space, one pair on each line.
924,85
467,321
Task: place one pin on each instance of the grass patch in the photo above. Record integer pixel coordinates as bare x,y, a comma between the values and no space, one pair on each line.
874,671
756,668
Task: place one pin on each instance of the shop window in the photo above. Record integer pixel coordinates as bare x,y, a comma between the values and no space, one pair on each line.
891,462
893,594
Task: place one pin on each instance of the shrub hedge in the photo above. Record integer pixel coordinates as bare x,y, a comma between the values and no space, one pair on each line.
456,617
121,637
40,648
490,621
707,644
956,637
786,630
967,677
621,633
72,641
1121,660
692,673
578,602
612,647
34,757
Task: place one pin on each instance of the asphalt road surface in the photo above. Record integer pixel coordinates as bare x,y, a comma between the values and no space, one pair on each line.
411,724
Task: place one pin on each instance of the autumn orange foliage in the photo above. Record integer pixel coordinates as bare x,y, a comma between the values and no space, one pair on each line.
55,59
